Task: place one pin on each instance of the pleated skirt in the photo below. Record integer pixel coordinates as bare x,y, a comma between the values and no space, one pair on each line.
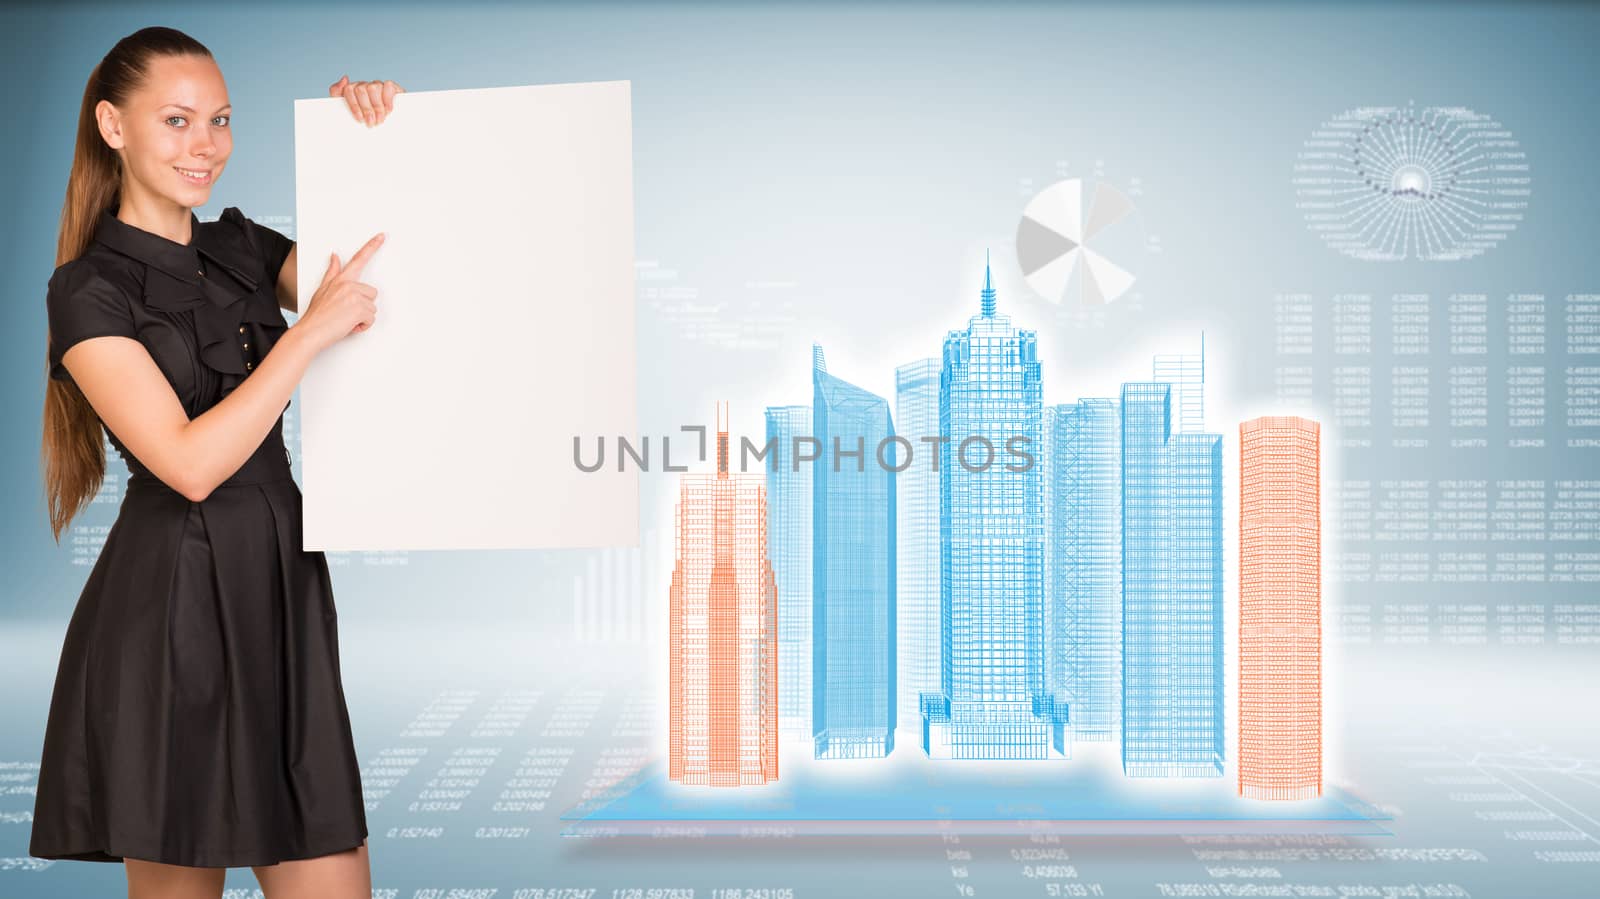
198,716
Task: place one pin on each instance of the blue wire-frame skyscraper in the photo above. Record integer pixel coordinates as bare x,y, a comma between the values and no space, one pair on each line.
1172,615
1186,372
917,538
789,547
853,570
1083,599
992,702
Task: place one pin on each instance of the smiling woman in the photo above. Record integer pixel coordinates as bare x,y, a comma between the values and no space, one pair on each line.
184,138
198,720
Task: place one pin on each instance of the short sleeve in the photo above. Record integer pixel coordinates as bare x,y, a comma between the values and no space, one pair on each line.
272,246
81,304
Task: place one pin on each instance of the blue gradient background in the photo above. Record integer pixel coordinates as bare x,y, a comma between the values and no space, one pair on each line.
834,173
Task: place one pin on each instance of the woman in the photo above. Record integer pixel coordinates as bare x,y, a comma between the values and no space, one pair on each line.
198,721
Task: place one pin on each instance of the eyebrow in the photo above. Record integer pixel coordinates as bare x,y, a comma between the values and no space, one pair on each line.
187,109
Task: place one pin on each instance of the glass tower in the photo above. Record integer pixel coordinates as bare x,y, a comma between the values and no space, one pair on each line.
917,537
1172,640
853,570
1083,560
992,702
1186,372
789,546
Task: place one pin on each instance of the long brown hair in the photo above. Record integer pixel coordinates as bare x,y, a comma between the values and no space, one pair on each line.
73,453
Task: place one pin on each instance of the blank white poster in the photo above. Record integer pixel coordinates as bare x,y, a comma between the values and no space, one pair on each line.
505,323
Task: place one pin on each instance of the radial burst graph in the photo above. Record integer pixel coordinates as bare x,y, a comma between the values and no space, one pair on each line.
1394,183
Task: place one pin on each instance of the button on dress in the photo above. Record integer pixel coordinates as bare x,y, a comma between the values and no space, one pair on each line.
198,717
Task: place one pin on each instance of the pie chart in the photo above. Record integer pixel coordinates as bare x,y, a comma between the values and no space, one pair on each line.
1057,240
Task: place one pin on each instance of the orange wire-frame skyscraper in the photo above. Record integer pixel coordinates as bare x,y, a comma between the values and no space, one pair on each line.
1280,608
723,630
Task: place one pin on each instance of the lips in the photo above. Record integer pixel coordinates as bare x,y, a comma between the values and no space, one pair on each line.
194,176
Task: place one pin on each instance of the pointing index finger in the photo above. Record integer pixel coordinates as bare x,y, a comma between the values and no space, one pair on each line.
352,269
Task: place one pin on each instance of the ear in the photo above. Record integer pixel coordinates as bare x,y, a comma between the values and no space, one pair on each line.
110,122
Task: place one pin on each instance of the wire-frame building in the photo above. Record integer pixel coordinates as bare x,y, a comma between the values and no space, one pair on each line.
722,631
1172,615
1186,372
992,702
853,570
916,500
1280,608
789,548
1083,566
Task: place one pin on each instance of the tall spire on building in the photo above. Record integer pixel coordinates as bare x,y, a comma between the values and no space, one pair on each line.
722,438
988,287
817,362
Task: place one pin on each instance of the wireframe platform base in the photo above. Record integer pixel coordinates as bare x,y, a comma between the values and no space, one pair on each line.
908,793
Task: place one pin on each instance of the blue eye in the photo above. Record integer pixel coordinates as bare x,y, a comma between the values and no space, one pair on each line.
226,118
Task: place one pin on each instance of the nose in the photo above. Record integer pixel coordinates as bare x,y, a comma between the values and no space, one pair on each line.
203,143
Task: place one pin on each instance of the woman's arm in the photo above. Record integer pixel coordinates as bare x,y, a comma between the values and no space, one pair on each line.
126,388
134,399
288,285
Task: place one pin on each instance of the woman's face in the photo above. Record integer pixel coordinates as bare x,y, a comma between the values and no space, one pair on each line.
174,133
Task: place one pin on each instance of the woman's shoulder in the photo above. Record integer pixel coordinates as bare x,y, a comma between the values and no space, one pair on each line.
237,223
95,281
262,241
97,262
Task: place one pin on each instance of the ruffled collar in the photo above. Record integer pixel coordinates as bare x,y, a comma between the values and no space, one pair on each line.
223,293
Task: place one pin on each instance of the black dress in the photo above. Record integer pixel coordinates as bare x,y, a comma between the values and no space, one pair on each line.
198,716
